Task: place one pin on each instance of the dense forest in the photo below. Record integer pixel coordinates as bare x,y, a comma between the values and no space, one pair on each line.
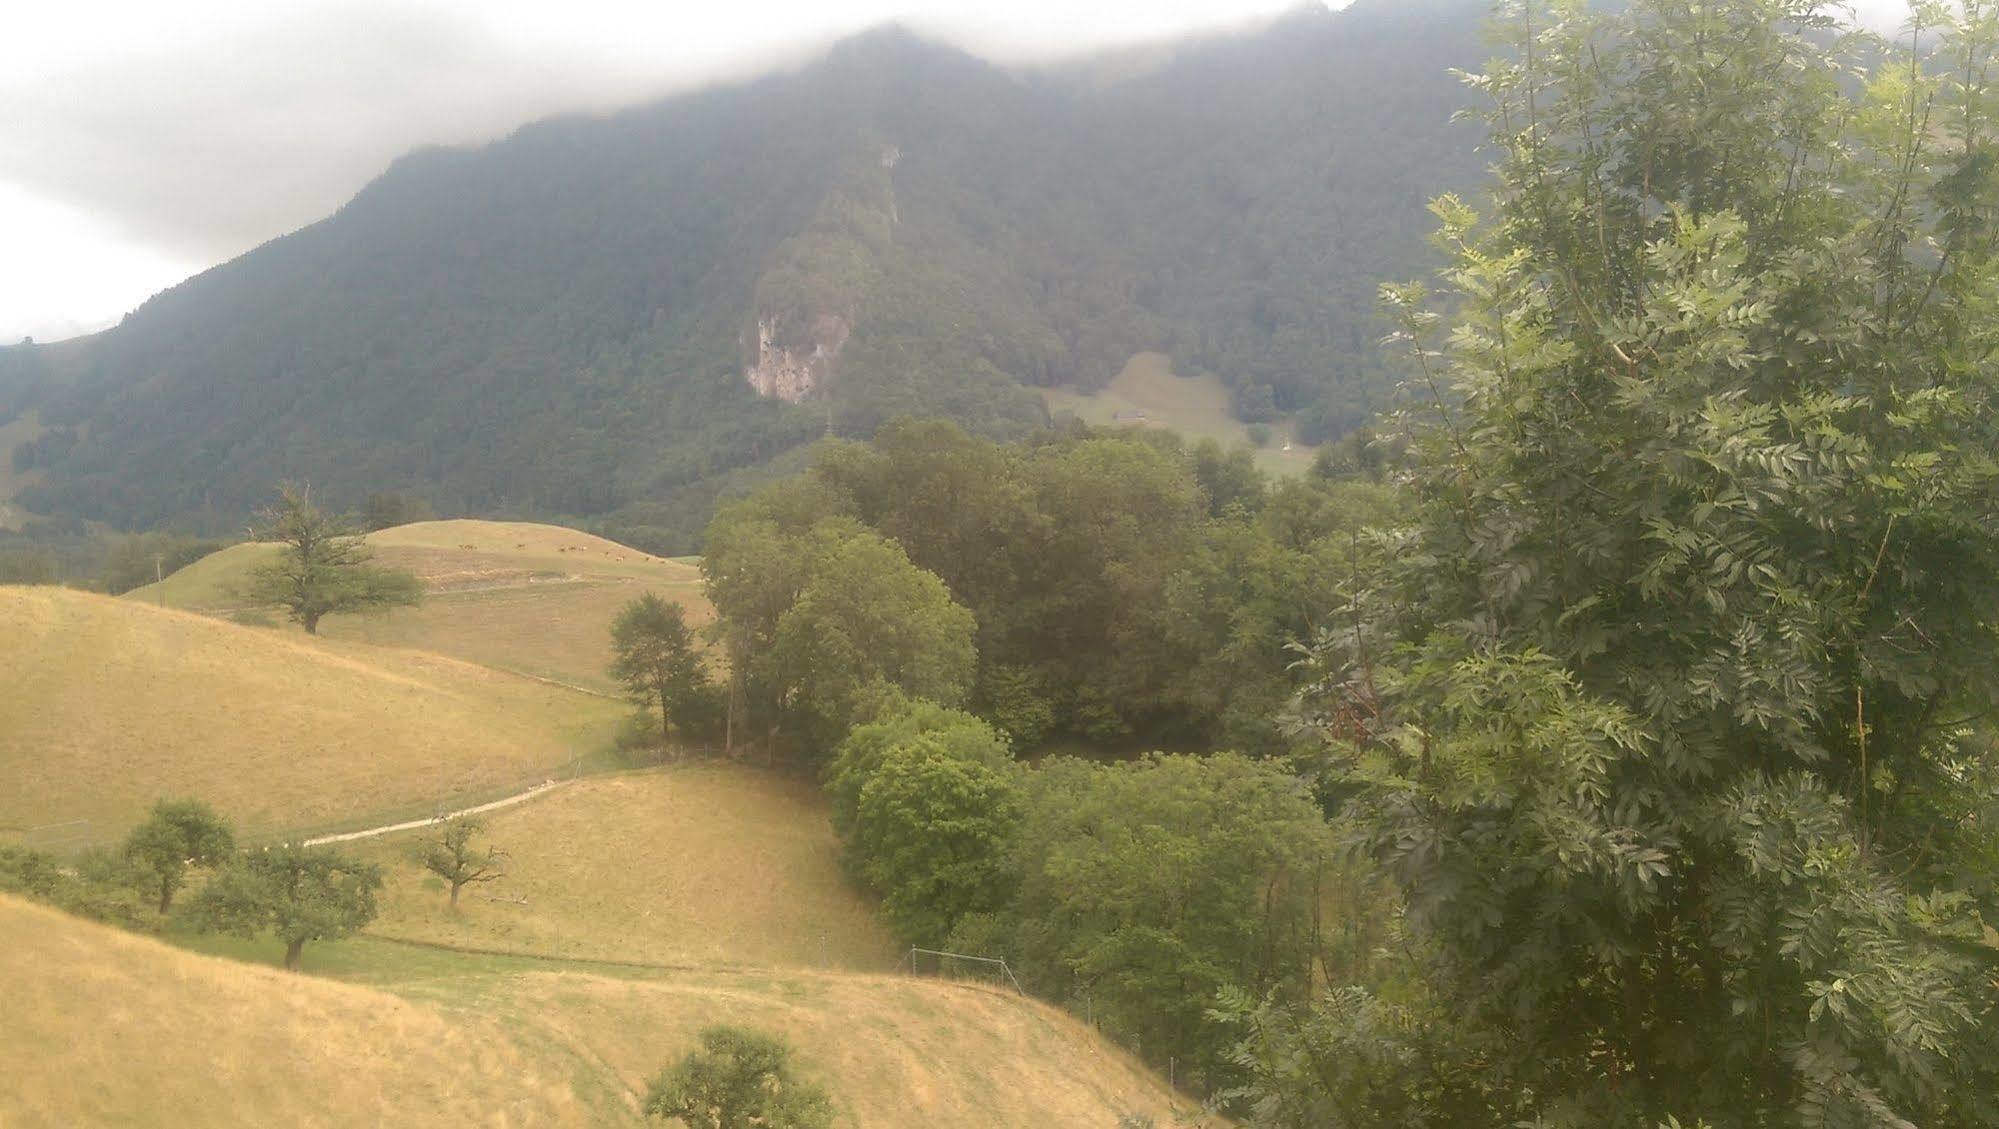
560,324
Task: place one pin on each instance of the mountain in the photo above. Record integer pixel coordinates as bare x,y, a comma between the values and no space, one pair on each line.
616,317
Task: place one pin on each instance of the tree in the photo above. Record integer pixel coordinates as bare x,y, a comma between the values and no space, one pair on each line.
655,658
861,753
739,1079
30,566
1152,886
826,620
178,834
291,892
867,622
933,831
1657,714
139,559
385,511
99,885
452,857
322,565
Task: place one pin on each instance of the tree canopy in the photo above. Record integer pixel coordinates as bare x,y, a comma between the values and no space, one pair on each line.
927,801
322,566
739,1079
826,623
1125,586
1660,714
654,655
291,892
178,834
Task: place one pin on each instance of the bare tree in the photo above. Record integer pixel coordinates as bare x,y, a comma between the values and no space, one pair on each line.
452,857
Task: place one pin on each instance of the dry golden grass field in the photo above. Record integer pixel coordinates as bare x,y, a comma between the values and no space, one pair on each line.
707,863
1197,406
537,599
110,1028
107,705
894,1051
716,885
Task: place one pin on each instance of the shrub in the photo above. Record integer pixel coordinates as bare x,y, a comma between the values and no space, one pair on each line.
739,1078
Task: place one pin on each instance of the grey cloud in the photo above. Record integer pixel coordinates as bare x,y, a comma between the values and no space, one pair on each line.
207,156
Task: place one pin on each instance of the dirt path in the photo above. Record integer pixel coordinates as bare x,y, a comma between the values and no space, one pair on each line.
413,824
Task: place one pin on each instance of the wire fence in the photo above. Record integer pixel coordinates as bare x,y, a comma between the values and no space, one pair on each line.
995,972
960,966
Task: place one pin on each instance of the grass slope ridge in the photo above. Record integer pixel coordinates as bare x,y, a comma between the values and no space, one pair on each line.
520,596
108,704
711,863
111,1028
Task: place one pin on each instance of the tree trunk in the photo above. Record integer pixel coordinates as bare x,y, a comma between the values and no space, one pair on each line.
311,622
665,728
729,724
166,896
454,895
292,951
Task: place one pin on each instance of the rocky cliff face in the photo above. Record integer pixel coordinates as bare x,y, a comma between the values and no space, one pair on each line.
795,373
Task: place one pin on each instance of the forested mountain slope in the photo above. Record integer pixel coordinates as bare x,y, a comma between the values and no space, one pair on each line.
606,316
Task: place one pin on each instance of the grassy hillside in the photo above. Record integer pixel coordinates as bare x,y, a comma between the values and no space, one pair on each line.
108,1028
708,862
107,704
538,599
1148,393
894,1051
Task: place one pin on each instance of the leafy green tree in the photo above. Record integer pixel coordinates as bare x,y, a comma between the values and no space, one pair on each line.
739,1079
655,657
452,857
933,831
322,565
1149,887
99,885
29,566
178,834
293,893
1354,1058
386,511
826,621
855,761
142,558
1657,714
866,622
755,566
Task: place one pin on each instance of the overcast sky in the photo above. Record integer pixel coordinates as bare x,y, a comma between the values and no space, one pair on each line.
142,141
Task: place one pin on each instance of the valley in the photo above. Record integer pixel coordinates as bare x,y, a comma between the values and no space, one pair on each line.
638,905
1422,563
